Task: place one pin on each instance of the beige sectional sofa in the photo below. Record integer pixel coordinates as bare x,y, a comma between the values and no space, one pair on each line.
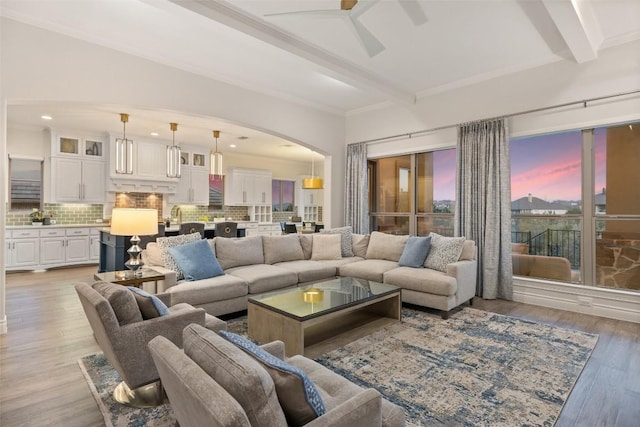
254,265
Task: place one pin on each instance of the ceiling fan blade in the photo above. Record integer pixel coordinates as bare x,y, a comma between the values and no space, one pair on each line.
331,13
414,10
370,43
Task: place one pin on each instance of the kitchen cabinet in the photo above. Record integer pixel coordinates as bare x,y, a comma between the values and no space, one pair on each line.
71,145
94,245
77,180
245,187
64,246
22,249
149,160
193,185
308,202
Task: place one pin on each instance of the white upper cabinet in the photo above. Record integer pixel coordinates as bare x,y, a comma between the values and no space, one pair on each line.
247,187
193,185
73,145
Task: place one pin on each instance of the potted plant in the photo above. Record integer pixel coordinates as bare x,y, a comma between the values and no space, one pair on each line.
38,217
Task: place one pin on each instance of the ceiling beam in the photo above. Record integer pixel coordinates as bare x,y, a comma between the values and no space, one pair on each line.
227,14
576,21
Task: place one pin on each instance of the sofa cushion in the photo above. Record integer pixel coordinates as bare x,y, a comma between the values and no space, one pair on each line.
122,301
150,306
369,269
359,243
345,239
468,251
337,263
444,250
204,291
422,280
306,242
297,394
233,252
415,252
237,372
167,242
196,260
326,246
335,389
386,246
152,255
282,248
309,271
264,277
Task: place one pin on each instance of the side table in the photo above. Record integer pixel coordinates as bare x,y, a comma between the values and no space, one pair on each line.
127,278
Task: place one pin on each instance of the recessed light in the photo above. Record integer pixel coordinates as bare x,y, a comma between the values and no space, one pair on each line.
232,145
46,117
154,133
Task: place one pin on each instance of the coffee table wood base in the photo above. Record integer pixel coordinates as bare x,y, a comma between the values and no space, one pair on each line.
313,335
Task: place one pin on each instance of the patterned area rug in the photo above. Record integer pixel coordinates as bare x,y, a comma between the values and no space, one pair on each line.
476,368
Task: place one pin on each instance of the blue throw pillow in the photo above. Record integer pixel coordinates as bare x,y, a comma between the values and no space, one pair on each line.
298,396
150,305
415,252
196,260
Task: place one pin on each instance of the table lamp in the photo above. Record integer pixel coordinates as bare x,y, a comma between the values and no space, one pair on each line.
134,223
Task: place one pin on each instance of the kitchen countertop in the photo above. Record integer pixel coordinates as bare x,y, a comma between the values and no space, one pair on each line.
38,227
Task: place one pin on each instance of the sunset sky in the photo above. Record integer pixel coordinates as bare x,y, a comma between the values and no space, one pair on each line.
547,166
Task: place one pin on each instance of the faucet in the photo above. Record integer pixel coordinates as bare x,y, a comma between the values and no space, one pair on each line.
179,215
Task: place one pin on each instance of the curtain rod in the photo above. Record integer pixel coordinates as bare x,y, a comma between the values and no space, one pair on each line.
520,113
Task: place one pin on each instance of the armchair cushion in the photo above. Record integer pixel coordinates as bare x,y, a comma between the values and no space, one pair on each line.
196,260
444,250
238,373
415,252
150,306
122,302
298,396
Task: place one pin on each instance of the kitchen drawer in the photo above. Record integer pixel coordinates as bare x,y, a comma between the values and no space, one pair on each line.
52,232
78,231
23,234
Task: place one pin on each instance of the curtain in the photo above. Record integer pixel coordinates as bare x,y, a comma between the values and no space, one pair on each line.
483,208
356,195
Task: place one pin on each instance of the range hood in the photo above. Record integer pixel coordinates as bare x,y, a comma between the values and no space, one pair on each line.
137,185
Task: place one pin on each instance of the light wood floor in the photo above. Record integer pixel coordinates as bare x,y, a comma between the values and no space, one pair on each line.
41,383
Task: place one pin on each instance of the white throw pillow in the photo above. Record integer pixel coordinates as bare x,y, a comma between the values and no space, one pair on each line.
165,243
326,247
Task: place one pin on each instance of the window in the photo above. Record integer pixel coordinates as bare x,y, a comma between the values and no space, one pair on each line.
546,205
26,183
216,191
413,194
282,195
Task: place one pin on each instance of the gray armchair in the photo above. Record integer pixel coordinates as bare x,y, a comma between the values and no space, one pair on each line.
194,380
123,335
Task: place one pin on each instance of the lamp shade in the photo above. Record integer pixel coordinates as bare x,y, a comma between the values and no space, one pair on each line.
313,295
312,183
134,222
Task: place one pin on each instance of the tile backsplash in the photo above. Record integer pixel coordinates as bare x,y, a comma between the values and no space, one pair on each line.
61,213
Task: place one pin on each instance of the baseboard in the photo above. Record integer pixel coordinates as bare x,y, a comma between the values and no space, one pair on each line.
611,303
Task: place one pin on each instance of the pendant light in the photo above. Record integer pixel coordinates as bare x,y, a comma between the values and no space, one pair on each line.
124,149
173,155
215,158
312,183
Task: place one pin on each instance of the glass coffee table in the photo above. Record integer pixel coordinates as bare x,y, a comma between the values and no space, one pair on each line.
330,310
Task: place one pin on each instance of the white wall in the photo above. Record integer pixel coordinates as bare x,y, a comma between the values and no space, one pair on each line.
40,65
616,70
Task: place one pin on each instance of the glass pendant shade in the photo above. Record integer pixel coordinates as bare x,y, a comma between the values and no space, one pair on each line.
173,155
124,150
215,158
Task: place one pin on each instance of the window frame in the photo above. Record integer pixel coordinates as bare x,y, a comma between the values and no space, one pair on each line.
10,180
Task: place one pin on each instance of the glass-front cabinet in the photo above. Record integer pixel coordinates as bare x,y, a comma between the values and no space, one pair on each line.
70,145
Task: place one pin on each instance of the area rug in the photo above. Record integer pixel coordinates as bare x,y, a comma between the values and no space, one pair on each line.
476,368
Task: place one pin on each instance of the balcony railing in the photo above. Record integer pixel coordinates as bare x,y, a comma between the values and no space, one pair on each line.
558,243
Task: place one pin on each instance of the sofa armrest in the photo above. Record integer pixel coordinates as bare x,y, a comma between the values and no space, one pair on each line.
275,348
362,410
170,278
466,274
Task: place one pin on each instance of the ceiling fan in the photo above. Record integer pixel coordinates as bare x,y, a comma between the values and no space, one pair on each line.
351,10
